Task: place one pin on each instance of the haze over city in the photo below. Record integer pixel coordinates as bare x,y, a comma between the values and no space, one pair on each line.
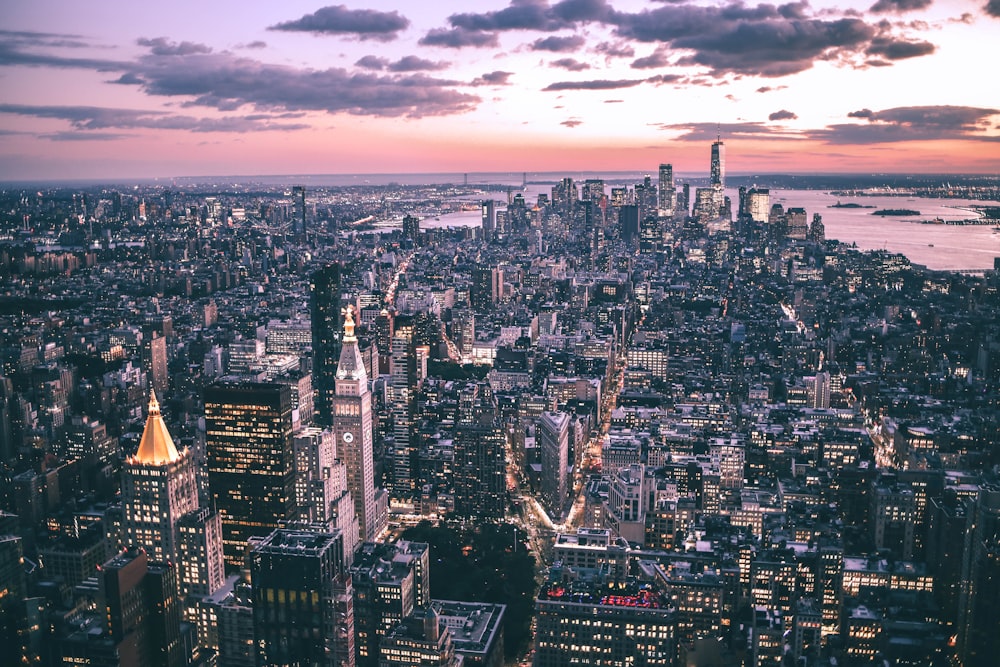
118,89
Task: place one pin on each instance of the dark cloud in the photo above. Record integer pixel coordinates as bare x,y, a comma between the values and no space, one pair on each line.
572,122
458,38
256,44
768,89
613,101
657,58
899,6
85,118
226,81
13,53
710,131
783,114
571,64
595,84
160,46
762,40
558,44
615,49
497,78
417,64
899,49
535,15
339,20
372,62
992,8
661,79
923,123
84,136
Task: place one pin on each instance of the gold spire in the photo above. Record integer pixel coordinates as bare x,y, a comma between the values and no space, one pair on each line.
349,336
156,446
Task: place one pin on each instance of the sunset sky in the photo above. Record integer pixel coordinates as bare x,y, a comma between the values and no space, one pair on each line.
119,88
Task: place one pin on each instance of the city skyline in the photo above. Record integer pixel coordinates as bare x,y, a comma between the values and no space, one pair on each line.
120,90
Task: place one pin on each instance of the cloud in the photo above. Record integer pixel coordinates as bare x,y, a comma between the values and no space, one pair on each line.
85,118
372,62
613,101
899,49
256,44
768,89
571,64
615,49
417,64
84,136
657,58
159,46
339,20
226,82
762,40
992,8
920,123
597,84
16,50
458,38
572,122
709,131
661,79
899,6
783,114
497,78
558,44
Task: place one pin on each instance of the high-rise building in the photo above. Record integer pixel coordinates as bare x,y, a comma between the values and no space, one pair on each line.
302,600
322,496
143,617
327,328
759,204
593,622
486,288
299,211
352,427
978,612
158,488
200,567
420,640
718,165
251,472
553,437
489,208
154,361
480,467
667,192
402,383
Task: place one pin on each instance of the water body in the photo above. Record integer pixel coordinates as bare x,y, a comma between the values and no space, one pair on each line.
938,247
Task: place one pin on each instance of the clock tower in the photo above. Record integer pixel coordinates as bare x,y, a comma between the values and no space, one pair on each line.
352,425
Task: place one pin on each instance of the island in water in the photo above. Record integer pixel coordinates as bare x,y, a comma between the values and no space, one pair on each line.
849,204
896,211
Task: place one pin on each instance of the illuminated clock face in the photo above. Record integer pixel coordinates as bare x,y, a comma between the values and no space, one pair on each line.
348,437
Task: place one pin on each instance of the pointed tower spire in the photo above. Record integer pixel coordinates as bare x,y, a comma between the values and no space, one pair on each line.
351,366
156,446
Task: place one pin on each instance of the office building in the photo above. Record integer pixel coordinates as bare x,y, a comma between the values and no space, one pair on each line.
142,611
591,622
480,466
476,630
303,609
299,212
553,438
322,496
327,329
158,488
251,471
667,192
353,431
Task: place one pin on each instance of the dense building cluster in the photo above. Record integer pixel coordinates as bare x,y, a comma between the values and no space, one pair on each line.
724,438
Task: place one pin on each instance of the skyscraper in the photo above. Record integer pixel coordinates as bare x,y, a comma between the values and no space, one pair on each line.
302,600
321,493
248,442
480,468
324,300
352,426
299,211
141,610
667,193
718,165
553,436
158,488
402,383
